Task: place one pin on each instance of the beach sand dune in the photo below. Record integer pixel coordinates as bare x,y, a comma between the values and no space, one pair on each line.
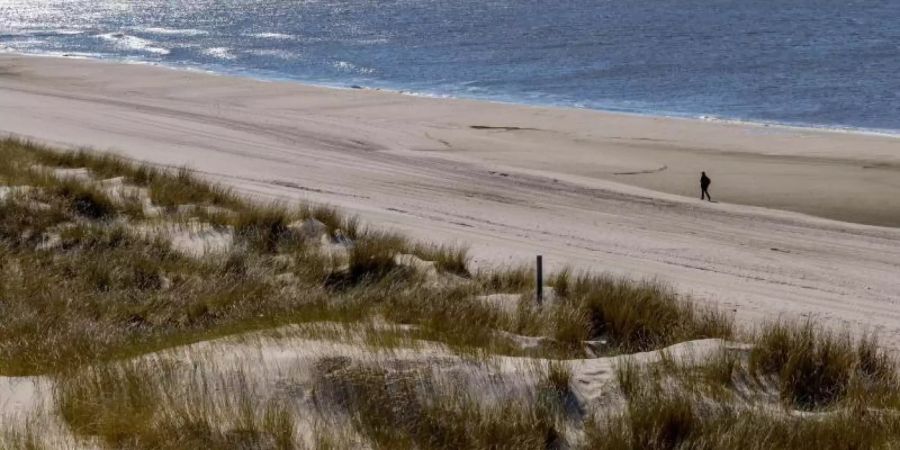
591,190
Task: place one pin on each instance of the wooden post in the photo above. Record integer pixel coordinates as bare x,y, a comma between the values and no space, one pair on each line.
539,279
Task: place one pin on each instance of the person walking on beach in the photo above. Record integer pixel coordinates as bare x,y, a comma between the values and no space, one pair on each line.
704,186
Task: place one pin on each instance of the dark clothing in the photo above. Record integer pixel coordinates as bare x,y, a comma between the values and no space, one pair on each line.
704,187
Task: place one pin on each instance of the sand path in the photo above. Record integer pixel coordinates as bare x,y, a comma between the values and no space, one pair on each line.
549,181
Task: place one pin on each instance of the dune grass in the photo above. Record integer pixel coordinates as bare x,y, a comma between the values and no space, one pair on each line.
675,421
155,403
405,411
140,405
167,189
816,368
761,397
136,293
161,404
25,438
90,281
448,259
629,316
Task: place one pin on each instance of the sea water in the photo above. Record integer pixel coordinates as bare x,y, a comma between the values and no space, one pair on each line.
829,63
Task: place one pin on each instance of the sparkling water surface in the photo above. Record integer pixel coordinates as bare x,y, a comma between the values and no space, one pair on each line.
810,62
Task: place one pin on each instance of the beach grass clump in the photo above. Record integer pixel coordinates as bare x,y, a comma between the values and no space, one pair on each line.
112,401
265,228
724,368
676,421
104,165
627,316
22,224
404,410
337,224
561,282
555,392
657,421
558,377
185,189
449,259
371,258
571,326
166,189
672,404
151,404
629,377
519,279
762,430
816,368
21,438
452,317
85,201
639,316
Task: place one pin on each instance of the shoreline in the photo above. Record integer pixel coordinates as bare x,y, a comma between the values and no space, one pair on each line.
275,78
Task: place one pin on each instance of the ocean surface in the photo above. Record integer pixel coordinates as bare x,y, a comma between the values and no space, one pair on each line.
828,63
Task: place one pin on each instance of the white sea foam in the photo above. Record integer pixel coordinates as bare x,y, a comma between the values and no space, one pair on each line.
61,31
271,36
128,42
350,67
799,127
220,53
42,32
172,31
373,41
280,54
73,55
424,94
24,43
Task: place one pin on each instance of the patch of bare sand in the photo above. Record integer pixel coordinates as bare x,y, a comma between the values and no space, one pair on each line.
12,191
30,400
192,237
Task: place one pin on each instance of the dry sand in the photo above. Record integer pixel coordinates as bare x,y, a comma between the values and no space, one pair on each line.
592,190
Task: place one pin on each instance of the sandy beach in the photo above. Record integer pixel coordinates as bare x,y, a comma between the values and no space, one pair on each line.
802,226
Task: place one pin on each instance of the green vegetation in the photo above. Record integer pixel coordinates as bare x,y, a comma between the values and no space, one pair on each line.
676,421
134,405
105,264
75,259
406,411
26,439
816,369
638,316
725,400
